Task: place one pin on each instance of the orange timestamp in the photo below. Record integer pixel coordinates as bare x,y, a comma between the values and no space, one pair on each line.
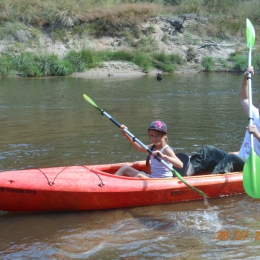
237,235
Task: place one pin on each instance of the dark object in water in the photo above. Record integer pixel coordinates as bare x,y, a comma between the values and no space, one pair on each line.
159,76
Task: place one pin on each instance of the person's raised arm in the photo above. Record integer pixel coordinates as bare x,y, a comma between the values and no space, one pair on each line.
131,141
243,90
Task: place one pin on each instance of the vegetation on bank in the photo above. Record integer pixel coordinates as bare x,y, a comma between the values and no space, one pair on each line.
65,20
30,64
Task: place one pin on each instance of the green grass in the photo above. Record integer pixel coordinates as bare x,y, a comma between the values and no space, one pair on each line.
208,63
32,65
147,44
5,65
143,60
124,55
191,54
241,61
29,64
83,60
167,62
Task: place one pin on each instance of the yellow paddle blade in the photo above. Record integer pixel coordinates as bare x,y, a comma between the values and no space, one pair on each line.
251,175
250,34
92,102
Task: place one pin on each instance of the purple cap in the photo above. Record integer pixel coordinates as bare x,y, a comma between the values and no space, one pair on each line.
159,126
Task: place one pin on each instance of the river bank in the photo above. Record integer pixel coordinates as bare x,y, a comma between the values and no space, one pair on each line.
114,69
164,37
192,48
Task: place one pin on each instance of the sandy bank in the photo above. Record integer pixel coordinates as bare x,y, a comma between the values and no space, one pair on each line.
122,69
115,69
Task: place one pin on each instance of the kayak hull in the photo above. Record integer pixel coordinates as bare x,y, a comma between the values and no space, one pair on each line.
94,187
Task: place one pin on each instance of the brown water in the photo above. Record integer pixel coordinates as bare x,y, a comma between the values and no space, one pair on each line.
46,122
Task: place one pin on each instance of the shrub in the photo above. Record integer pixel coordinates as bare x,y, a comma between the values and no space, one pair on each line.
191,54
176,58
165,38
31,65
5,65
118,55
26,64
256,60
240,63
82,60
147,44
207,63
150,29
143,61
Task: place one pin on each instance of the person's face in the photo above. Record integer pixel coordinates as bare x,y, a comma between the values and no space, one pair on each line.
157,137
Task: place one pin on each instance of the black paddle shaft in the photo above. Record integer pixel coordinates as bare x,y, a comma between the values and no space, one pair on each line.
135,139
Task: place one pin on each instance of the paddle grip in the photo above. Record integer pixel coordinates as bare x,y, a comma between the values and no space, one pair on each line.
115,122
158,158
110,118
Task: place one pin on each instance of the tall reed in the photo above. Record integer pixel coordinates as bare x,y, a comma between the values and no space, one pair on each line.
30,65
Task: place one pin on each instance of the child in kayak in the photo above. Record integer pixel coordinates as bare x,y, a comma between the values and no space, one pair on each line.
157,133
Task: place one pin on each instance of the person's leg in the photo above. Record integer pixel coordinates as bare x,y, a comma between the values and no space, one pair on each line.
231,163
207,158
126,170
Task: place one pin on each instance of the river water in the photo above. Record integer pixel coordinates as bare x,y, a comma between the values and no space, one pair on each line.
45,122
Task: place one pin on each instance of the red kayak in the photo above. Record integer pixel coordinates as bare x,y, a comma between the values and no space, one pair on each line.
91,187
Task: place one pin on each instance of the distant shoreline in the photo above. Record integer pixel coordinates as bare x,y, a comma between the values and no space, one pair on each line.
123,69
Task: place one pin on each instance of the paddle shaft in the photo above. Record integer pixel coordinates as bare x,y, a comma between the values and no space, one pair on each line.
250,38
135,139
250,112
251,121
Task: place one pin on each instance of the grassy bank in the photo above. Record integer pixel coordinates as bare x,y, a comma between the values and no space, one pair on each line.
23,22
30,64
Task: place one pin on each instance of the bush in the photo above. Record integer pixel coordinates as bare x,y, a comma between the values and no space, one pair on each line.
26,64
176,58
147,44
118,55
166,62
143,61
241,63
82,60
256,61
31,65
191,54
5,65
207,63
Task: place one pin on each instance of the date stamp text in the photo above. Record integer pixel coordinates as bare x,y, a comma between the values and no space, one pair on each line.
237,235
